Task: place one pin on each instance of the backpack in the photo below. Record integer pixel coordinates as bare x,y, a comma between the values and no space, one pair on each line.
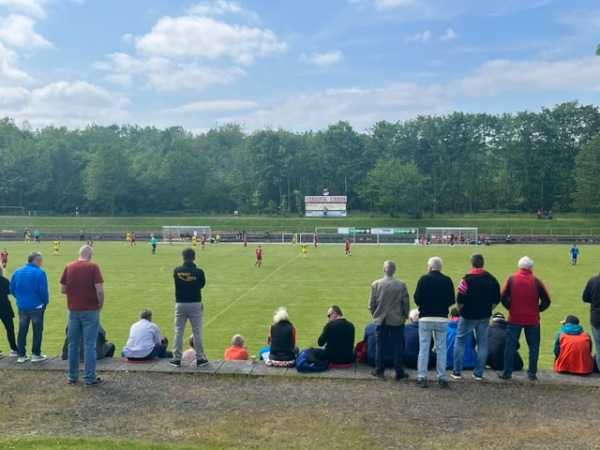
310,360
361,351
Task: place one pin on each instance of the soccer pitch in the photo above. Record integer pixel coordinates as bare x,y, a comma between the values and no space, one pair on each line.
240,298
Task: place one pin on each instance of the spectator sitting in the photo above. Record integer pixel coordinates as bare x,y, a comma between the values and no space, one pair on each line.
497,341
145,340
237,350
470,353
338,338
573,348
388,349
283,337
263,353
104,349
190,353
411,343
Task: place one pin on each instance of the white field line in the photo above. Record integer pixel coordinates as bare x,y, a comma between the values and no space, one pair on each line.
228,307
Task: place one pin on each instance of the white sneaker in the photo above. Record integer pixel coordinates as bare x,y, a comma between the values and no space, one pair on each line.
22,359
38,358
13,354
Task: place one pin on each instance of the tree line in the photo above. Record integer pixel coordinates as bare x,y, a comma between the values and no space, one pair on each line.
457,163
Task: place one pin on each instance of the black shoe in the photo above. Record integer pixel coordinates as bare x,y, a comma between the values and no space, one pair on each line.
402,376
504,377
201,362
422,383
72,381
97,382
175,362
532,376
377,374
456,375
443,384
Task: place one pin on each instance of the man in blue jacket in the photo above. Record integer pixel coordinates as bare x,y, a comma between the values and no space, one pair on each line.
29,285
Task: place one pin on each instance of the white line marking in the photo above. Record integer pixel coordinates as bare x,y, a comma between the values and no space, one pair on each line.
248,291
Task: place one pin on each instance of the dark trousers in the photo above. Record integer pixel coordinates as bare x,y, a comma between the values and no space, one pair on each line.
383,333
10,331
36,318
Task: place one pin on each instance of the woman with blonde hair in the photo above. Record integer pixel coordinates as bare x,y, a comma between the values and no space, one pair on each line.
283,337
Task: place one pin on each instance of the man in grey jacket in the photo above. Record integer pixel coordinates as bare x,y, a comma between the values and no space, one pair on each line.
389,306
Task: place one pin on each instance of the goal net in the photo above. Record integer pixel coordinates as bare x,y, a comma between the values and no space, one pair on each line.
181,233
451,235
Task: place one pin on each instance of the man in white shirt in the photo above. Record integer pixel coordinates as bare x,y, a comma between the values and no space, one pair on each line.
145,340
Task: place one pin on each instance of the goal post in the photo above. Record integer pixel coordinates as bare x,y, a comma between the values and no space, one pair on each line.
451,235
184,233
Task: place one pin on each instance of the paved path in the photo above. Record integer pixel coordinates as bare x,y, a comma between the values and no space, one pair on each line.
247,368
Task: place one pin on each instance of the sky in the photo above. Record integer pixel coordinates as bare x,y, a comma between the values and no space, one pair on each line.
299,65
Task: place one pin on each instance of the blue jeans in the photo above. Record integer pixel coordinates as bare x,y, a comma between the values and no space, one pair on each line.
465,326
193,312
36,318
83,324
532,335
383,333
439,331
596,337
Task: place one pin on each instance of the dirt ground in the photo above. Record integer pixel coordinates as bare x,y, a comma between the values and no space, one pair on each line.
282,412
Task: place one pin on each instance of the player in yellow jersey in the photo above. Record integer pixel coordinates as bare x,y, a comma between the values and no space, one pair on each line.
128,238
304,249
194,240
56,246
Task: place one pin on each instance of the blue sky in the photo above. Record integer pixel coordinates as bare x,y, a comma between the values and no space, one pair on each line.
296,64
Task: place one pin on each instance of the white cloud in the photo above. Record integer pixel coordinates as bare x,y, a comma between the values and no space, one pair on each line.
425,37
31,7
17,30
204,37
448,35
9,73
392,4
322,59
214,105
216,8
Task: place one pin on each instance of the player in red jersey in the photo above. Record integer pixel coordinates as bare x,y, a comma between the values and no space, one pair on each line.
203,240
347,247
245,238
258,252
315,239
4,258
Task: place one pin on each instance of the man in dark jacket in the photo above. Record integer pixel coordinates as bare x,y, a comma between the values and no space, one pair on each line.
591,295
434,296
497,341
478,294
337,337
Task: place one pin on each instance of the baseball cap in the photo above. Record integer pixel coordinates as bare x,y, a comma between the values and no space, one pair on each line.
571,319
498,316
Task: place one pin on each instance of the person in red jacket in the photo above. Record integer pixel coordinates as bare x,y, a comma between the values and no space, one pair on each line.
525,297
573,348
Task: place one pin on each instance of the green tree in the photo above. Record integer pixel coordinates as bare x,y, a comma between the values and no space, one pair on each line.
587,168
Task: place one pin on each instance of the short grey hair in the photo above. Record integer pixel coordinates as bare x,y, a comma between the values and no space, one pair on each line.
280,314
33,255
146,314
389,267
435,263
237,340
525,263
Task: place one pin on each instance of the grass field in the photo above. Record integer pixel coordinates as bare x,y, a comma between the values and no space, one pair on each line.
240,298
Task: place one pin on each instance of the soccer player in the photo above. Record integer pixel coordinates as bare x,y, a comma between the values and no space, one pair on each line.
203,240
304,249
4,258
153,243
170,238
194,240
293,239
347,247
90,242
315,239
245,238
574,252
258,252
133,239
128,238
56,246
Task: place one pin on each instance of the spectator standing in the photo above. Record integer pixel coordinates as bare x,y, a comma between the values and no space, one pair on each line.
7,314
478,295
591,295
83,285
338,337
525,297
29,285
434,295
189,281
389,306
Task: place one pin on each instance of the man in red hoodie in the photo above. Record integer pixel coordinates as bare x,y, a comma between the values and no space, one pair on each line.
525,297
